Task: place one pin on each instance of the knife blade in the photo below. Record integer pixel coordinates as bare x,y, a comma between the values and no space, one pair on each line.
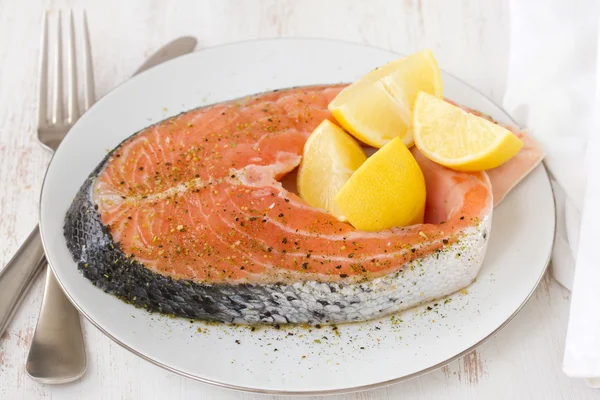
20,272
176,48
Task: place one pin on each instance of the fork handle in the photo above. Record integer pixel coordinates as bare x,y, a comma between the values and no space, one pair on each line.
18,275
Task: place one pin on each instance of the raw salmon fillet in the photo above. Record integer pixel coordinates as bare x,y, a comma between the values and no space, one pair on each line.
188,217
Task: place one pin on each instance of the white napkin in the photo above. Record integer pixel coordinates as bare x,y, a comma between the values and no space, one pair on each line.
551,88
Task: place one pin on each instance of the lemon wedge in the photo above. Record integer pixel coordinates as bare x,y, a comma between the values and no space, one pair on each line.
459,140
378,107
387,190
330,158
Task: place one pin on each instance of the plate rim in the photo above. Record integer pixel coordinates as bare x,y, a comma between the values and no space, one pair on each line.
347,390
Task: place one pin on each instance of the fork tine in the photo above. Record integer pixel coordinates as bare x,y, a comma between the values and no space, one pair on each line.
88,68
73,109
43,78
57,115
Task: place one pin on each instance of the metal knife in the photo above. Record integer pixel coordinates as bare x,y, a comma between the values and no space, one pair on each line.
176,48
21,270
57,352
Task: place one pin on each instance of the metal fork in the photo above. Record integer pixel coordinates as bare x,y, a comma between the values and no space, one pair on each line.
57,353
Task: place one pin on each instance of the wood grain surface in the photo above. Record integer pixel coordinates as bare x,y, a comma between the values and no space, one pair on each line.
469,39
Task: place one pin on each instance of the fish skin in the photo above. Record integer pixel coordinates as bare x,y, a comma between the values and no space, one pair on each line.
102,261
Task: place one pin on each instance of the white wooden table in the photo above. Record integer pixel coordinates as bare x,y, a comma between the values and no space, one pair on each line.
469,39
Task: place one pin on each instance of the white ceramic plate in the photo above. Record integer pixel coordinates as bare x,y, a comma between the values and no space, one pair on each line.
291,360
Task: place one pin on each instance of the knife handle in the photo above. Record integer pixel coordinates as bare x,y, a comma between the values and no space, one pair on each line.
18,275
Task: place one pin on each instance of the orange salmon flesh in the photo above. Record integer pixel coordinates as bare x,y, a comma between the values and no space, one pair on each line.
199,197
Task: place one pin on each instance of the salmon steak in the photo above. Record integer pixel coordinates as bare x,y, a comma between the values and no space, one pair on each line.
189,217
